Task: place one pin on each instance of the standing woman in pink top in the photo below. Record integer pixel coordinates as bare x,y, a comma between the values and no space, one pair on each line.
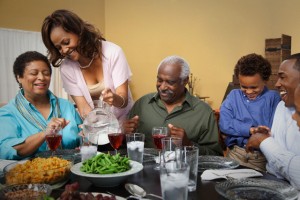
90,66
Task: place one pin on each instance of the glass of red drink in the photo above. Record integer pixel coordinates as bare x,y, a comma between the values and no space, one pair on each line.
116,137
159,133
53,138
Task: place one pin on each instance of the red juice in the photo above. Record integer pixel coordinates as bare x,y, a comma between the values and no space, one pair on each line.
116,139
53,141
157,140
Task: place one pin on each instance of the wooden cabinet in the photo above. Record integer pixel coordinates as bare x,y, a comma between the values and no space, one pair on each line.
276,51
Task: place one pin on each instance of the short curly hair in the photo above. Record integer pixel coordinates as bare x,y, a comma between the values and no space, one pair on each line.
252,64
24,59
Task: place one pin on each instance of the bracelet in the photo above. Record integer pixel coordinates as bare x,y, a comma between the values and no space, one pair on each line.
123,101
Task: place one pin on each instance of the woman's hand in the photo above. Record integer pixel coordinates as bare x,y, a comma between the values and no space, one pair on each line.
118,99
108,96
56,124
34,141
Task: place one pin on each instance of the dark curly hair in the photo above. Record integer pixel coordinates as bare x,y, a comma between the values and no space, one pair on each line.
89,37
252,64
24,59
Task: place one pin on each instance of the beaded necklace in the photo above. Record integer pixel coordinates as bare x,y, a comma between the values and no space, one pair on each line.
87,66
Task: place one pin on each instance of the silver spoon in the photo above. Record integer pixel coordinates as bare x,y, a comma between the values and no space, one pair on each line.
138,191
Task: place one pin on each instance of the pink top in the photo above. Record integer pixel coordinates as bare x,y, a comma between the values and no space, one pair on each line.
115,72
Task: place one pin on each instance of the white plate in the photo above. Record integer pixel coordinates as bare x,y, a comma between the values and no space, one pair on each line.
254,188
58,184
4,163
104,195
107,180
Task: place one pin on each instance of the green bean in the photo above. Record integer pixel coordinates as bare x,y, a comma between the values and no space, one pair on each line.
105,164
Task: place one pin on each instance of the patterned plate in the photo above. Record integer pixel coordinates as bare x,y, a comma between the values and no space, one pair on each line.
216,162
256,189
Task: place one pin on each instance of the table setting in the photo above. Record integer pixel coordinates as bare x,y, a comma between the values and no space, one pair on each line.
149,180
183,174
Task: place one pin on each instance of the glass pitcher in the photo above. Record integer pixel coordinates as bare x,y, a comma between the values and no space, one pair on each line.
98,122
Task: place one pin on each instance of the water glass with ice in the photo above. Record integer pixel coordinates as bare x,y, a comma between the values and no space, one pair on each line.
135,146
89,145
174,177
190,156
169,146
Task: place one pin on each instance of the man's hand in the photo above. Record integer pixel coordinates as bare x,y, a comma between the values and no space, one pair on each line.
260,129
179,133
255,140
129,126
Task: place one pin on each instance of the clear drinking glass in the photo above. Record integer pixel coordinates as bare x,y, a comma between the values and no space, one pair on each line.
174,177
170,146
53,138
135,146
190,156
89,144
115,137
158,133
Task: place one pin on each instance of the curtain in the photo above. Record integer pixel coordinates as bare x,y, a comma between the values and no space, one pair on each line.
12,44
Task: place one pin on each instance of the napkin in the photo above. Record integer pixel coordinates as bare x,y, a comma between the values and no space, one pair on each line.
212,174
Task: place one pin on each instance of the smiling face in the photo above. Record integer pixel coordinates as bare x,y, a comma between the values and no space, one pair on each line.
252,86
169,85
36,79
65,42
288,79
296,115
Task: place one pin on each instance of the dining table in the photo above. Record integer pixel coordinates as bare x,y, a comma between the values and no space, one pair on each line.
149,179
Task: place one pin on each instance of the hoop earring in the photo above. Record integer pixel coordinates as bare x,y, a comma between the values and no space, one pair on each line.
20,86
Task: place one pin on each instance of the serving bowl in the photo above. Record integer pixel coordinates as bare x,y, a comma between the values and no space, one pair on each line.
38,170
108,180
25,191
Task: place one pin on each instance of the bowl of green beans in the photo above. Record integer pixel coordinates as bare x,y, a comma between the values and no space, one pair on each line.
105,170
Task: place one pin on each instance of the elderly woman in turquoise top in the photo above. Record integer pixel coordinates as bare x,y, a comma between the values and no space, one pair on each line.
35,108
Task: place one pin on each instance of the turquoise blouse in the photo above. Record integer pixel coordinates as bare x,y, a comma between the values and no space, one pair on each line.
15,128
